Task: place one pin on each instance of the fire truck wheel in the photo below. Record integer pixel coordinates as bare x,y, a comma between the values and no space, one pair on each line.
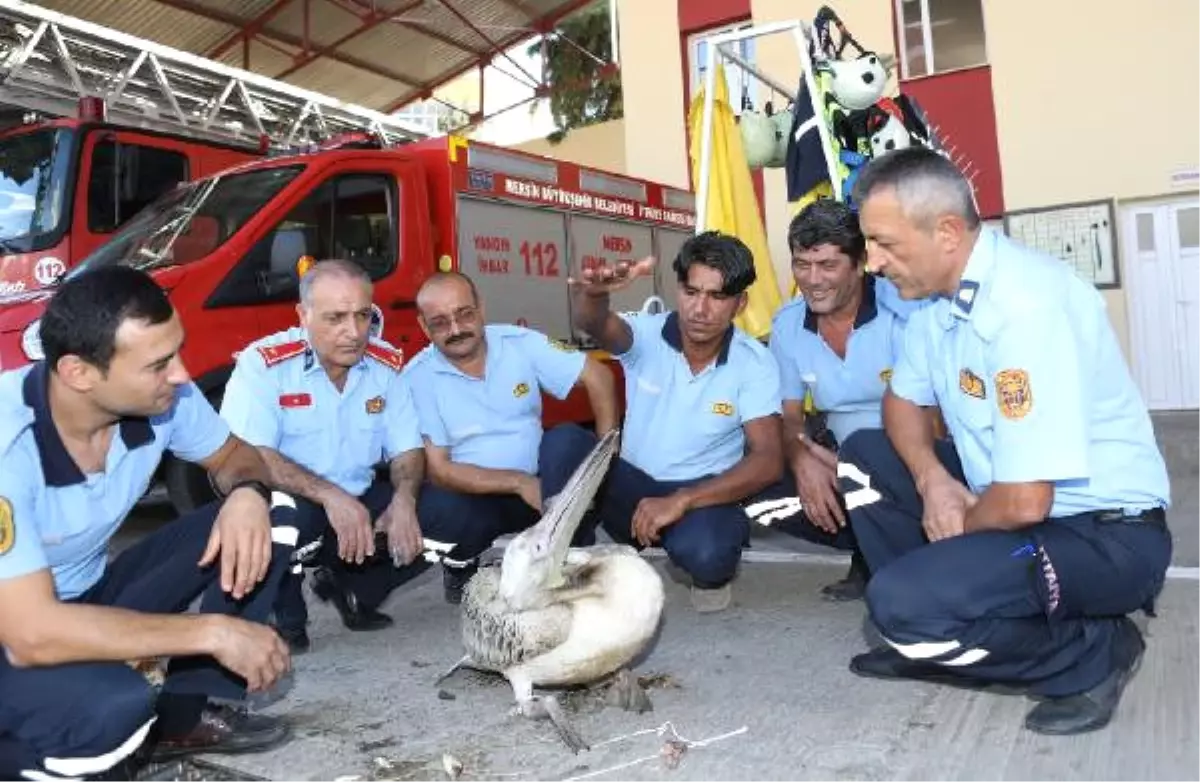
188,486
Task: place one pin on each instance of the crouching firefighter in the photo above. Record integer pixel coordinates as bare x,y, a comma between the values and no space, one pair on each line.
82,433
1017,554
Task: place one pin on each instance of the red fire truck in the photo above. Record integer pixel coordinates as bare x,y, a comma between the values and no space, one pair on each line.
227,247
69,177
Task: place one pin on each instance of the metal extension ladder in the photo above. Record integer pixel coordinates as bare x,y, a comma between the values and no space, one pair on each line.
49,61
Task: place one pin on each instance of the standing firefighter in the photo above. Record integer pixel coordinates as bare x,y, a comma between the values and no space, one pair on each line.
1018,554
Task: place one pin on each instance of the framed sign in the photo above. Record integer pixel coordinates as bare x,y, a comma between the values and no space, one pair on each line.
1082,235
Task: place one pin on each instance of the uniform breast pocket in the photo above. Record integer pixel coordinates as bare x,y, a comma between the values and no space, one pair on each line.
369,441
300,429
717,419
524,399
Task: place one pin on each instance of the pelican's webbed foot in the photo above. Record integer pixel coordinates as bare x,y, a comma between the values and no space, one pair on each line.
547,707
625,692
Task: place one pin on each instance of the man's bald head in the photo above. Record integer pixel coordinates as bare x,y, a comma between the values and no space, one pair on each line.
441,283
451,315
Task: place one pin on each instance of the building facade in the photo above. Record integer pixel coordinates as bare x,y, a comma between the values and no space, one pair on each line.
1079,122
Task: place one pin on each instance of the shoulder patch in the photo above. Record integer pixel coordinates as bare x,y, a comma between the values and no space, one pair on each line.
1013,393
8,530
277,354
389,357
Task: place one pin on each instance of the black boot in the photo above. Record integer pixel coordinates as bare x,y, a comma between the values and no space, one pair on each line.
853,586
329,588
454,581
1092,709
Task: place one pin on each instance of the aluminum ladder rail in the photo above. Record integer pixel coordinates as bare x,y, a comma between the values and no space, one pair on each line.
49,61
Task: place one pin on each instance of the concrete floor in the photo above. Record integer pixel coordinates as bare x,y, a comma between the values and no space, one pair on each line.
766,684
770,675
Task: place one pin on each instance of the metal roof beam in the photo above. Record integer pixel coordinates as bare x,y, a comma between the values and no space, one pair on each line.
291,40
369,22
544,23
416,27
250,29
494,48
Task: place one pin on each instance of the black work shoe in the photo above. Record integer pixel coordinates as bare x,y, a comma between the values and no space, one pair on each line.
297,640
1094,708
887,663
853,586
454,581
328,588
226,730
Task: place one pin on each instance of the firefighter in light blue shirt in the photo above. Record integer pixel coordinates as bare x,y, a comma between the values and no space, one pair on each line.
326,404
702,432
1017,554
82,433
478,389
836,344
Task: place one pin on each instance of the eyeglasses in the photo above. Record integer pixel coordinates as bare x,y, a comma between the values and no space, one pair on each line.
462,316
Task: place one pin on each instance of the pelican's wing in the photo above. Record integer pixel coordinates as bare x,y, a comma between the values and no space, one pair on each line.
568,508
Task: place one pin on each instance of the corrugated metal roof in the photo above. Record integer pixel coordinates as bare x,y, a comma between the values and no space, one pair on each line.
376,53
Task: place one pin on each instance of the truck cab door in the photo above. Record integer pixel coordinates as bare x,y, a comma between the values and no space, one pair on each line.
120,172
360,210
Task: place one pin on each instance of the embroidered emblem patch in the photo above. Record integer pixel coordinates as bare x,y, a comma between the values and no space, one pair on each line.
375,405
8,531
971,384
886,376
1013,394
520,390
722,408
295,400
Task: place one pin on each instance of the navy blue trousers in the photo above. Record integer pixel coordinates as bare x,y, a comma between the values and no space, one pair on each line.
1036,607
83,718
457,528
778,507
706,543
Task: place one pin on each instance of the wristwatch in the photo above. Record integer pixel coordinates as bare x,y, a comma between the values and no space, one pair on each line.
257,486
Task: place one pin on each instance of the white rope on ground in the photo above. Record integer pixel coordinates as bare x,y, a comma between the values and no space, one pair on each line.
661,730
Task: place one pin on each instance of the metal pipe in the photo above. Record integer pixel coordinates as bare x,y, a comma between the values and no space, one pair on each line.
767,80
614,30
706,122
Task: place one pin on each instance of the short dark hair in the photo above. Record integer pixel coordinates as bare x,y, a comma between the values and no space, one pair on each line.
826,221
727,254
85,312
927,184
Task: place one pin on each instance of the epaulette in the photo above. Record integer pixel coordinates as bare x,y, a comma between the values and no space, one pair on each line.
389,357
276,354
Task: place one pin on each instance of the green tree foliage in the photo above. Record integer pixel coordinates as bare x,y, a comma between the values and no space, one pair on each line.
582,91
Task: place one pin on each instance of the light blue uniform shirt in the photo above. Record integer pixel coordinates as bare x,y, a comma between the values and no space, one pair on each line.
849,390
681,426
494,422
56,517
1032,384
280,397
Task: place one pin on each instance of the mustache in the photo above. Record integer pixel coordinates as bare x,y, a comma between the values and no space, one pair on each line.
460,337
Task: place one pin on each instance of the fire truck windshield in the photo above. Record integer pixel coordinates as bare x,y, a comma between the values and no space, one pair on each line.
34,170
191,221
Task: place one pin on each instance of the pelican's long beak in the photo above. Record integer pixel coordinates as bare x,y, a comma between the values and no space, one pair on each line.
561,520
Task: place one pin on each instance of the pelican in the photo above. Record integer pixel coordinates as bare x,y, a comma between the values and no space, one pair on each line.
556,616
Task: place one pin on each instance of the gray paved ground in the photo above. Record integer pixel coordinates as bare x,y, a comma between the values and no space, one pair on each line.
775,665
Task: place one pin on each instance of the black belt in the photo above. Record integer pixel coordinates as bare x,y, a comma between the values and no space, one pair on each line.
1155,516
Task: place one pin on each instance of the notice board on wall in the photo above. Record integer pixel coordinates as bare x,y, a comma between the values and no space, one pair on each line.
1083,235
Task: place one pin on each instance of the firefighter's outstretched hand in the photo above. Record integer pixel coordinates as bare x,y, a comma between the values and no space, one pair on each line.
605,278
